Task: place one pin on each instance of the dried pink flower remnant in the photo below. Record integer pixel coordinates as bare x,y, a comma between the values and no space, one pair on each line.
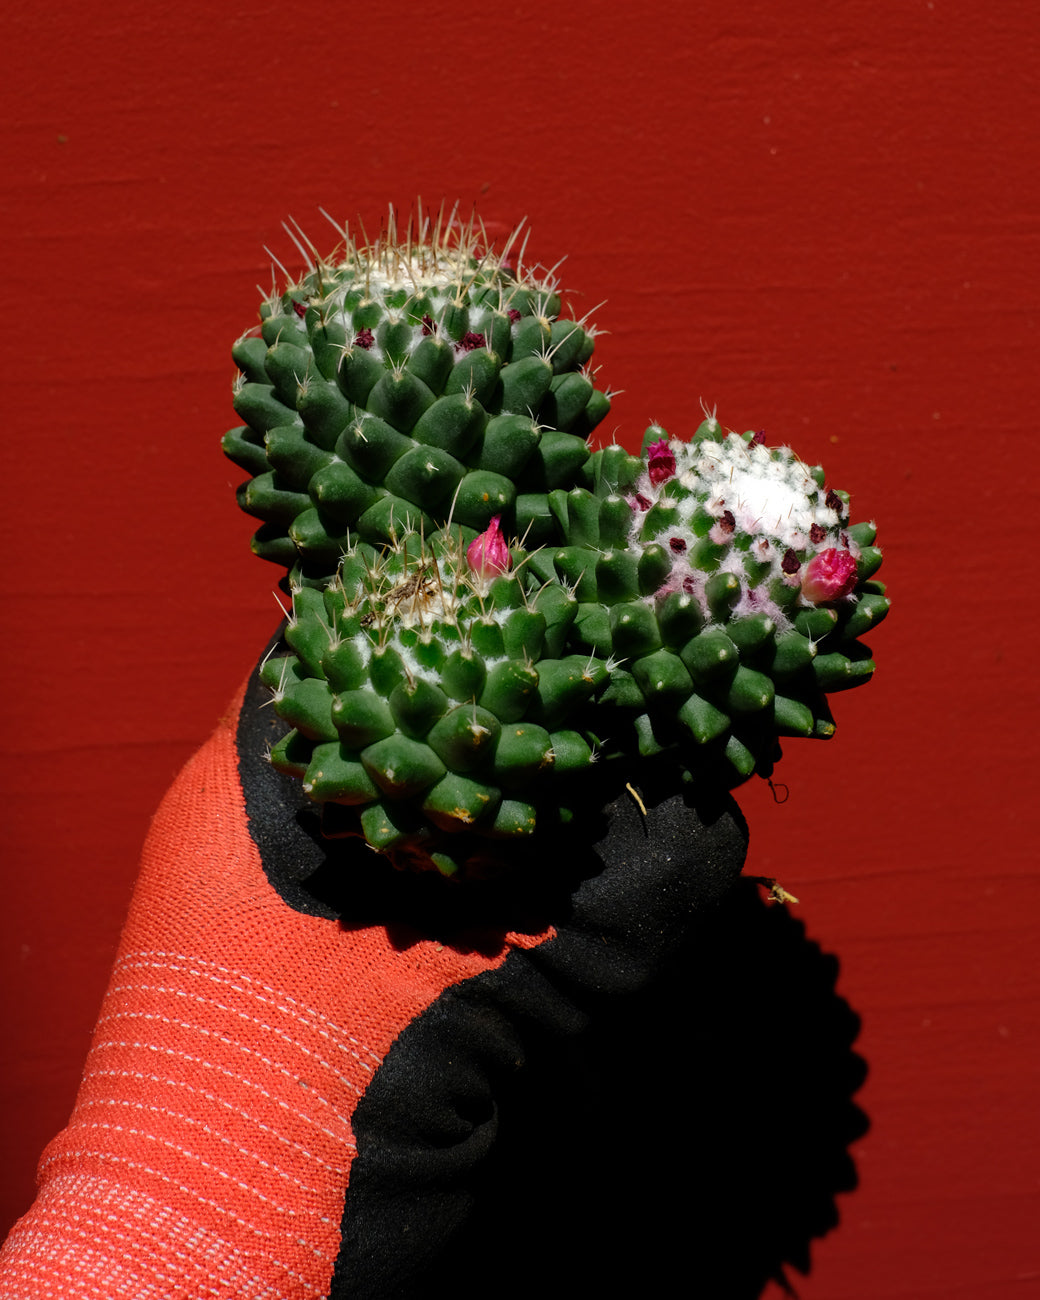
829,575
660,462
489,554
790,563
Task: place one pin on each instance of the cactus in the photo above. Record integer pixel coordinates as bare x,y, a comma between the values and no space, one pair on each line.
724,579
409,405
428,693
403,379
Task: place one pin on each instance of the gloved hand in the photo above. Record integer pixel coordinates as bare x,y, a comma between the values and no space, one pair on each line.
294,1084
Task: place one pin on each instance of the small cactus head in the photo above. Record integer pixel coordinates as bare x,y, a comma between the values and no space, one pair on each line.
428,690
723,579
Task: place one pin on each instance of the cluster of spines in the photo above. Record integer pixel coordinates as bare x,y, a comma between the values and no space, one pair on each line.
432,699
381,389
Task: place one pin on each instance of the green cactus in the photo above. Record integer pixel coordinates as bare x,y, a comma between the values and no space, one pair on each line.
402,380
724,580
429,691
673,613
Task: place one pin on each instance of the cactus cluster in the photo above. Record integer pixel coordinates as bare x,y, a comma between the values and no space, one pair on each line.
397,381
409,407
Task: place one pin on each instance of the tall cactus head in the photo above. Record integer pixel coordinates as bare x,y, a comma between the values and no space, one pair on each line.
726,580
403,380
430,693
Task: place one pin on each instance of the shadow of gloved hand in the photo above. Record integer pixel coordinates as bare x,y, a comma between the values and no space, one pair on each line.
293,1085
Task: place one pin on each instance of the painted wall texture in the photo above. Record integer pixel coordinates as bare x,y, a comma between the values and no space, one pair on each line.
822,219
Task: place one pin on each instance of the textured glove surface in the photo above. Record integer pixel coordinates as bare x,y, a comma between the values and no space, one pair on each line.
284,1020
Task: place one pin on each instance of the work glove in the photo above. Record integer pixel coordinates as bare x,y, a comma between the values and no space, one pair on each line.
307,1066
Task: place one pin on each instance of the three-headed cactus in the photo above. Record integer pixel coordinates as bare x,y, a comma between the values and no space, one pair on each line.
409,408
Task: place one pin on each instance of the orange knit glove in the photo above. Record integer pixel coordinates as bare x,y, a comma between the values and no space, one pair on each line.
288,1022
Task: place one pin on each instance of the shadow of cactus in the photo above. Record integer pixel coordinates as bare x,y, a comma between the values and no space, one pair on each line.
698,1140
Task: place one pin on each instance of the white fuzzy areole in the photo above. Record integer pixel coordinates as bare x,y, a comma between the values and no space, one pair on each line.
428,609
411,271
767,504
773,499
765,492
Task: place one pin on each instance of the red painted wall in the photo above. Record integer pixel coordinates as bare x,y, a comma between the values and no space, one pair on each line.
822,218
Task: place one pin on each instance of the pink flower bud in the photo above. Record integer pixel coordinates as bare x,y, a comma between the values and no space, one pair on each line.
660,461
828,576
489,554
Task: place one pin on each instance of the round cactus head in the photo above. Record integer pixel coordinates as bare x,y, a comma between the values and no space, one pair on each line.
430,694
723,578
403,380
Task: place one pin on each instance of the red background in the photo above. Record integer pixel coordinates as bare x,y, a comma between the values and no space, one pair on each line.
822,218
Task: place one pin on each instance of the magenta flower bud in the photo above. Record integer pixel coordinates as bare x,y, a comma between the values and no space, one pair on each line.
489,554
660,461
828,576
